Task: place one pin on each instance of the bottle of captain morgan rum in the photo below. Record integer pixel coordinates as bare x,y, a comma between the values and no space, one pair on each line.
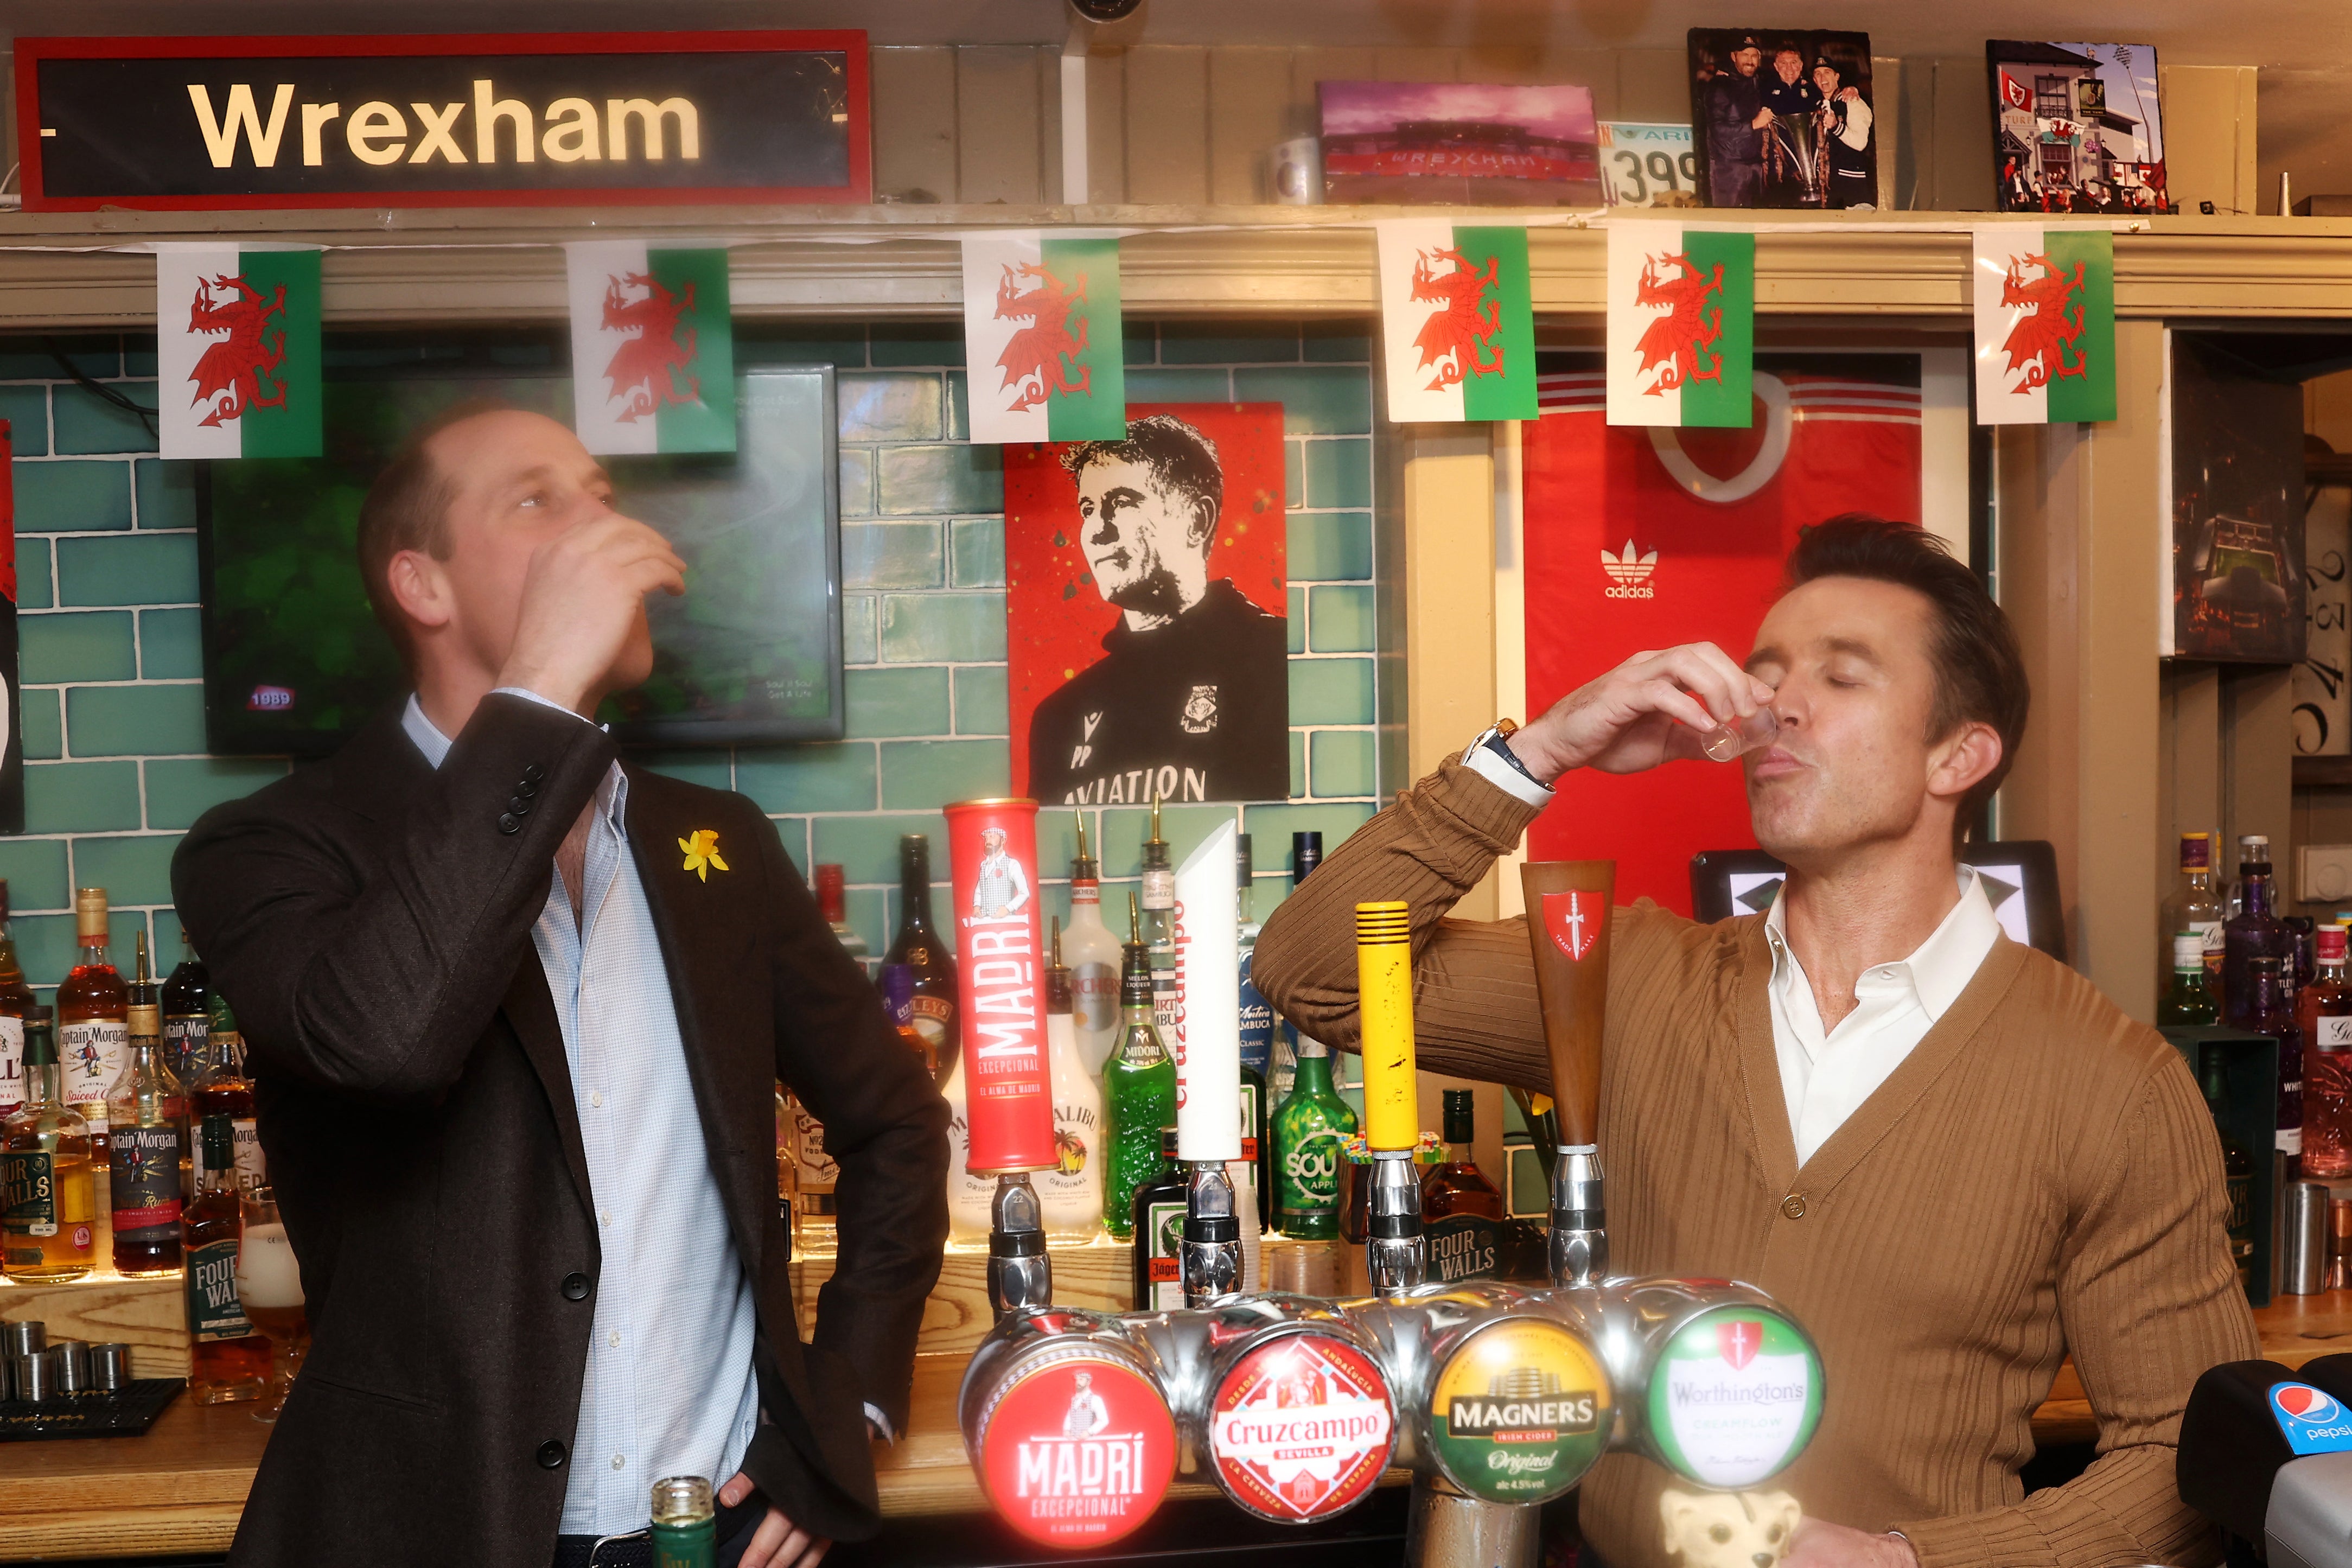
187,1014
93,1007
147,1121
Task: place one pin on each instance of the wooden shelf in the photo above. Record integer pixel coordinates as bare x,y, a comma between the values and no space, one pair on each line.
2322,772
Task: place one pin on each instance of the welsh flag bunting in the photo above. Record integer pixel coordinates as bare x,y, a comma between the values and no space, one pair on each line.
652,347
1042,339
1457,321
237,353
2046,320
1682,325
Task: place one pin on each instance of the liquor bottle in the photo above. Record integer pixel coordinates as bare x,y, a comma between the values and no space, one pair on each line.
147,1120
1460,1210
2237,1167
187,1014
898,1000
919,947
1093,954
816,1172
2324,1013
2189,1000
1257,1036
93,1030
226,1360
48,1218
1310,1134
2261,1007
1157,1222
833,903
2257,932
222,1088
2195,905
15,999
969,1196
1159,900
1071,1194
1139,1088
685,1528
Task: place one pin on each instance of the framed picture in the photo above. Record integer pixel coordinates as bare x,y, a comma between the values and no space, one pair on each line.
2075,128
1458,143
1783,118
294,661
2232,482
1146,608
1644,163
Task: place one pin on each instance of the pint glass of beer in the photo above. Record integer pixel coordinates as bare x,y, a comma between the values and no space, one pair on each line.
269,1289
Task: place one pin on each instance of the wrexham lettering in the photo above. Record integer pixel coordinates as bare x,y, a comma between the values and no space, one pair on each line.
194,122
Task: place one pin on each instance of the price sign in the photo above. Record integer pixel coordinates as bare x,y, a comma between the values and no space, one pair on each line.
1646,165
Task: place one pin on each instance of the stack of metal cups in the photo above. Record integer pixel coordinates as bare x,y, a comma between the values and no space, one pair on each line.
24,1360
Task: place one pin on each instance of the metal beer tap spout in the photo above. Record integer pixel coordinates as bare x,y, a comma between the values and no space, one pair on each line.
1212,1246
1579,1235
1397,1255
1020,1273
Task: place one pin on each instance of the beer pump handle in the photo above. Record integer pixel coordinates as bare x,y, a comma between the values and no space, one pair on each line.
1568,914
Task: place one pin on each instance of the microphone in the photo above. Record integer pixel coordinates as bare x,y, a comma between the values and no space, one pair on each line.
2266,1453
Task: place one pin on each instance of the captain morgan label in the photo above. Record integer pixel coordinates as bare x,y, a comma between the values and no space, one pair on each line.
1520,1412
1734,1397
1301,1427
1077,1451
144,1181
91,1055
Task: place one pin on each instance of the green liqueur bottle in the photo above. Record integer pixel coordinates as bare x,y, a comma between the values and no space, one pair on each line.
1139,1088
2190,1002
685,1527
1308,1132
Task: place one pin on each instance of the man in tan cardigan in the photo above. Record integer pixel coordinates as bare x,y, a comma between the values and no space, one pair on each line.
1949,1155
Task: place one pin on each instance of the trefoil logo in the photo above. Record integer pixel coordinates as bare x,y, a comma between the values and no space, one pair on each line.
1629,574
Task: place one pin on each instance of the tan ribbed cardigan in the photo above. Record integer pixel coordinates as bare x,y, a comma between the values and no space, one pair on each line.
2039,1177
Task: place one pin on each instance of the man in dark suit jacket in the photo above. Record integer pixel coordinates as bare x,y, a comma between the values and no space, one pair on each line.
515,1010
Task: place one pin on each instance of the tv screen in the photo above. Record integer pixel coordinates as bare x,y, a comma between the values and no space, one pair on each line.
294,661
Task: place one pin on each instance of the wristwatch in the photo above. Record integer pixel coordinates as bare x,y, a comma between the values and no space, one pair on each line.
1492,740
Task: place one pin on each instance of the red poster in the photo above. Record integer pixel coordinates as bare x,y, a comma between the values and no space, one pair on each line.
1145,605
1644,539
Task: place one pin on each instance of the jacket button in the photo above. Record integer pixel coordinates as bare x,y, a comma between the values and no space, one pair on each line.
551,1455
1793,1206
528,788
575,1287
533,772
517,806
509,823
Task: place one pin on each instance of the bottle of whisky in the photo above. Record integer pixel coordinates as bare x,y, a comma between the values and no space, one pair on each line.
919,947
1158,1226
222,1088
147,1120
187,1014
93,1028
1460,1210
1092,952
48,1223
1138,1089
2237,1168
1310,1134
228,1361
16,997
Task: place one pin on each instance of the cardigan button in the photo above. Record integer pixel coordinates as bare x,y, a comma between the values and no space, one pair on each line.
1793,1206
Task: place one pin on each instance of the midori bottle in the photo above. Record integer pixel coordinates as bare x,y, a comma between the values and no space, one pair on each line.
1092,953
1072,1192
1139,1091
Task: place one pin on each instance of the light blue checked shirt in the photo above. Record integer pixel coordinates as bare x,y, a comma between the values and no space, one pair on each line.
669,1390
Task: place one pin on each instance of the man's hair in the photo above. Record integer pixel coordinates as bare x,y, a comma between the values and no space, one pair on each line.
407,508
1979,667
1182,460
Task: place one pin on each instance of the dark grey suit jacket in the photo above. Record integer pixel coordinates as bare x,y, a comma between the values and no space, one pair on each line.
370,920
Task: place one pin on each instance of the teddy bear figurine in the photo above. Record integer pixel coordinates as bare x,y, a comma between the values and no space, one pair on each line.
1727,1530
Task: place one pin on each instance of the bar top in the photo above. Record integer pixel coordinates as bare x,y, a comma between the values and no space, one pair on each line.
181,1488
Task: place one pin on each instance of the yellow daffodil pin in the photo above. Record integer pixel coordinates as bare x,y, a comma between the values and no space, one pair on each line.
702,852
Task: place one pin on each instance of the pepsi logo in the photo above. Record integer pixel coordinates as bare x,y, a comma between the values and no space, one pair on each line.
2306,1403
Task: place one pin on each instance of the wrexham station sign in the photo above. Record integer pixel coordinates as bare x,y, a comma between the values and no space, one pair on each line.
481,119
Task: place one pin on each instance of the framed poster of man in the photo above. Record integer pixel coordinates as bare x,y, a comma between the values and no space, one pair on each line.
1146,602
1783,118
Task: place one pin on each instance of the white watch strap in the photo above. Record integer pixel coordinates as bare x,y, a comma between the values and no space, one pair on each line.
1480,759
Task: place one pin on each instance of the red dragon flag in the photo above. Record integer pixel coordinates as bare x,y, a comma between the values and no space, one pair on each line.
2045,324
237,352
1457,321
1682,325
653,348
1041,338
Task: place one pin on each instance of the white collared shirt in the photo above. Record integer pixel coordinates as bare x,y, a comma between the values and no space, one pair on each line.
1825,1076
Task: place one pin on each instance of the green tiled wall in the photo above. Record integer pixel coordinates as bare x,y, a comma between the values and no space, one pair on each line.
113,713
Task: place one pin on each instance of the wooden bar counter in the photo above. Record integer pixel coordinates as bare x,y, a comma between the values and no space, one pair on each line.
180,1489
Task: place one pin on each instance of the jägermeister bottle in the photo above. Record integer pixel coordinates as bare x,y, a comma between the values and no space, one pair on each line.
1309,1132
1138,1089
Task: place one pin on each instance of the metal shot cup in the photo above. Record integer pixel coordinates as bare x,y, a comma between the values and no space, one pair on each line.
2303,1240
35,1377
109,1367
27,1338
70,1361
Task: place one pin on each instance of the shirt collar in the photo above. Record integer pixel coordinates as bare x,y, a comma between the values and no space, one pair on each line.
1942,966
613,794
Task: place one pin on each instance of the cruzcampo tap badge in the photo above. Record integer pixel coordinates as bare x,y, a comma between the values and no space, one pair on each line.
684,1525
1520,1412
1736,1394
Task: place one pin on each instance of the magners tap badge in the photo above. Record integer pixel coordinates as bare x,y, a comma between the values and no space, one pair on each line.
1520,1412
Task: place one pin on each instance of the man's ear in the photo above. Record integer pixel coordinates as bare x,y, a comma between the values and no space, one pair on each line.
1960,761
1202,529
420,586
